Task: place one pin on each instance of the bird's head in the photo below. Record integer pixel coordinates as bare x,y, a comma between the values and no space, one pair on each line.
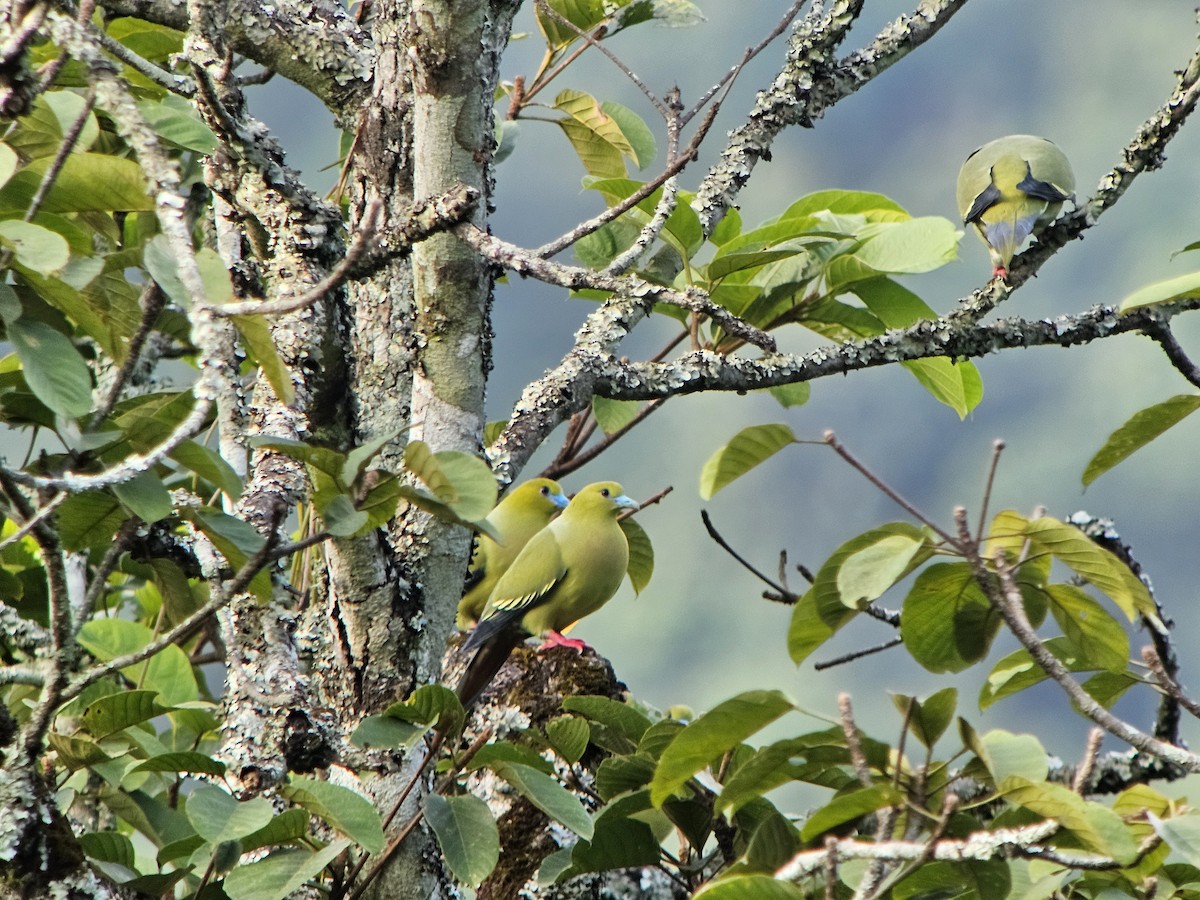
602,495
541,492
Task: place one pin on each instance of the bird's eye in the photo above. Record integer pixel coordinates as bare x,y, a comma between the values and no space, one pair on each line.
545,491
603,492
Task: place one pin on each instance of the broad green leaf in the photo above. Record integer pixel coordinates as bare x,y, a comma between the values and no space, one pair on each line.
1017,671
76,752
1092,562
621,839
583,14
145,496
638,134
289,826
1171,289
568,736
724,264
1181,833
8,163
548,795
361,456
619,717
978,879
911,246
875,207
33,246
641,554
790,395
217,816
613,415
1100,638
765,770
1143,427
107,639
182,761
87,182
467,834
146,39
953,383
720,729
342,519
431,704
849,806
745,450
256,336
820,612
210,466
1010,754
461,481
623,773
89,519
596,137
1096,826
280,873
176,122
339,807
750,887
947,622
108,846
53,368
867,573
115,712
378,732
928,718
159,261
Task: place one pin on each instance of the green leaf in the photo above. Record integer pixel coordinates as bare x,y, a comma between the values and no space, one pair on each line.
341,518
1020,755
218,817
749,887
1092,562
1143,427
768,768
76,752
866,574
1017,671
431,704
850,806
467,834
619,717
177,123
791,395
115,712
1181,833
641,554
720,729
930,717
33,246
953,383
596,136
569,737
1171,289
912,246
978,879
340,808
289,826
87,182
210,466
280,873
641,139
620,840
145,496
1096,826
613,415
256,336
547,795
108,846
182,761
747,449
1100,638
9,161
821,612
947,622
377,732
461,481
621,774
53,368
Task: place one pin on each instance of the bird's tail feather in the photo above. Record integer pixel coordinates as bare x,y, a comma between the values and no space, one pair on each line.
486,663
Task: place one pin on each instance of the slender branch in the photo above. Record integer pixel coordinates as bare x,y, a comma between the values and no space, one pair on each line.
989,482
1161,334
60,158
525,262
557,469
887,490
1084,773
337,275
1167,683
724,545
858,759
855,655
34,520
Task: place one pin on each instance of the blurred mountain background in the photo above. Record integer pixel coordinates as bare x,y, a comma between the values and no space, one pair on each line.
1084,73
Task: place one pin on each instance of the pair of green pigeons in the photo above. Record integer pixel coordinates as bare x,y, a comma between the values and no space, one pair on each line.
541,574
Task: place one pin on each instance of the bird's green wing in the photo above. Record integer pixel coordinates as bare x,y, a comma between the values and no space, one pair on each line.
529,581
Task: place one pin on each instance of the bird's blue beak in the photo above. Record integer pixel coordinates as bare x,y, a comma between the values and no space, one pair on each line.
559,500
624,502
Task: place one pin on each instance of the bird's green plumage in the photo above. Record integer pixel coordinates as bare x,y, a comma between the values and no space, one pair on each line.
566,571
1010,188
526,510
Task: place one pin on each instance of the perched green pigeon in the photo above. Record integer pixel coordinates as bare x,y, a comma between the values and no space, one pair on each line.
1010,188
526,510
566,571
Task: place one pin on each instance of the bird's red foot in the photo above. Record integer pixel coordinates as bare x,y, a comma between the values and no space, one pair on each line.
554,639
1000,272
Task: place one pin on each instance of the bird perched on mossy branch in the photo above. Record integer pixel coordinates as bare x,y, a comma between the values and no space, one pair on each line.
1010,188
526,510
566,571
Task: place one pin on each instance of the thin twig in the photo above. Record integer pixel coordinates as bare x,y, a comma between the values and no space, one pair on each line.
1161,333
152,301
854,655
831,439
33,521
557,469
858,759
339,273
60,158
1088,763
724,545
997,449
1167,683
